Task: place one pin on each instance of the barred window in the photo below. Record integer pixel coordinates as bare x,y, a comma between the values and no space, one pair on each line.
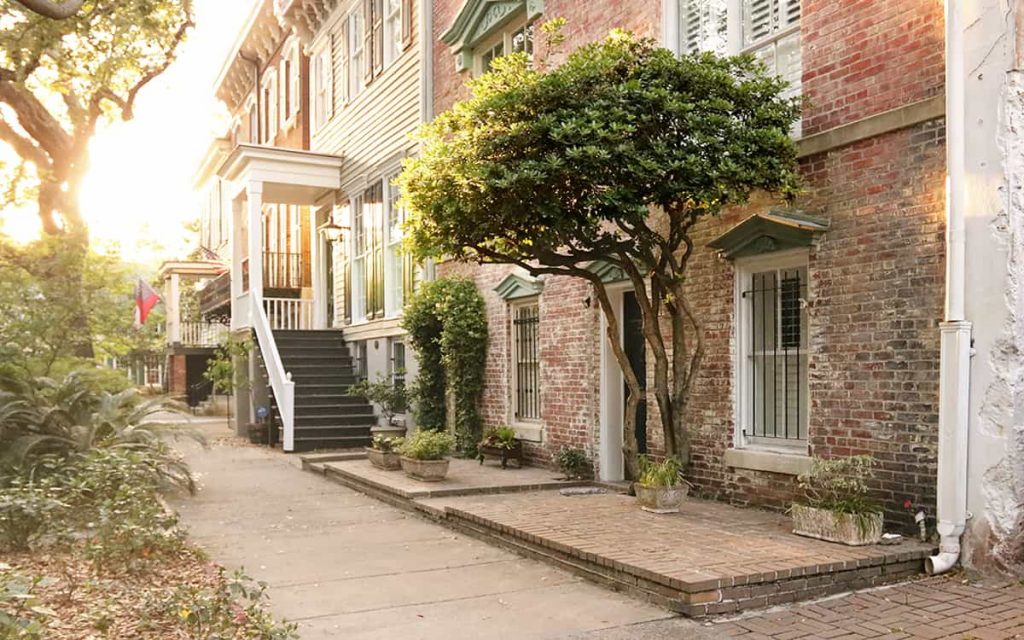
525,362
774,367
398,368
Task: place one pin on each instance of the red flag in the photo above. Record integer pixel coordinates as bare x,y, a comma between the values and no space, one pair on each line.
145,299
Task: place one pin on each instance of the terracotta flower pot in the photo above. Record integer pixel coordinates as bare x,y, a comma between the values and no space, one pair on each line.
425,470
660,499
387,460
845,528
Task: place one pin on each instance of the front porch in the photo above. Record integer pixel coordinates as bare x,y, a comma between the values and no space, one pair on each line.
711,558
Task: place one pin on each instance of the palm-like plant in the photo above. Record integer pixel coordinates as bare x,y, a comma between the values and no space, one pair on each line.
43,419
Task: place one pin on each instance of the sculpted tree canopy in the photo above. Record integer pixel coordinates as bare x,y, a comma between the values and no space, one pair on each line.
613,156
60,78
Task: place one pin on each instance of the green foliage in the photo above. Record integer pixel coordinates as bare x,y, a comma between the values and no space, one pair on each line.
56,301
666,473
221,370
573,462
387,444
235,608
22,615
614,155
27,512
42,420
503,436
389,397
426,444
447,326
840,484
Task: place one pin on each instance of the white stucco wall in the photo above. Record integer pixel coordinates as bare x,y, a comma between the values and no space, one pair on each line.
995,239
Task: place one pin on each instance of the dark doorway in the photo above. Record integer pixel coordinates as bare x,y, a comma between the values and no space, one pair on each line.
636,351
197,386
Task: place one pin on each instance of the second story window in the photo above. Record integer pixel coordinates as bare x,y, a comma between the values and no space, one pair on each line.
393,44
321,87
771,31
517,38
269,104
355,55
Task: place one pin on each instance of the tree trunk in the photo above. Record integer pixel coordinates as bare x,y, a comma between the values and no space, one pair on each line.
629,444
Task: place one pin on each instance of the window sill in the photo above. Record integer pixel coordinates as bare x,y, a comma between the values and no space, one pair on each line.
529,432
790,464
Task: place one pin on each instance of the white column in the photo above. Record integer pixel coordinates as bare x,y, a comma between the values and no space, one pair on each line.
172,305
237,256
316,269
254,199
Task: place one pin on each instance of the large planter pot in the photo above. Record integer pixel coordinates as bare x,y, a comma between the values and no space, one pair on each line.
425,470
660,499
845,528
387,460
388,431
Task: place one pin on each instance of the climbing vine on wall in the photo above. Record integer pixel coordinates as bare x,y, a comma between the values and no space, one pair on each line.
447,326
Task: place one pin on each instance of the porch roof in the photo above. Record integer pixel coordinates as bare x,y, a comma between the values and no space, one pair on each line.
201,268
288,176
773,230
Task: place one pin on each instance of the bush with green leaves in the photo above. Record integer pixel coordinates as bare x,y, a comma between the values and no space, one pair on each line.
234,608
22,615
389,397
840,485
426,444
387,444
221,371
613,157
666,474
27,513
503,437
42,419
447,325
574,463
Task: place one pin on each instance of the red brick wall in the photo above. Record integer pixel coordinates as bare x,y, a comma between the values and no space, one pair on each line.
866,57
177,383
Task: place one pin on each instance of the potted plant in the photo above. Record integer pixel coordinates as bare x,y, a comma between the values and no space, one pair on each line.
502,443
390,399
660,487
574,463
383,452
837,507
425,455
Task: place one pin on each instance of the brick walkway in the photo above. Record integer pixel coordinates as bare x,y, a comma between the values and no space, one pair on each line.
710,558
928,609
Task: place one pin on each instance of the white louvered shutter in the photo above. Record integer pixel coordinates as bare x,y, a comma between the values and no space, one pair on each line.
702,25
757,20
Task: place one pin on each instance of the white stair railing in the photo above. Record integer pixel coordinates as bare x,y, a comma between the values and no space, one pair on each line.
289,313
280,380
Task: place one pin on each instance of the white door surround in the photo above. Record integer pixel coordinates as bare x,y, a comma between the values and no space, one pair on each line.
612,410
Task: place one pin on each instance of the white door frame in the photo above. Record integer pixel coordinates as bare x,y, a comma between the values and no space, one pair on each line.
610,460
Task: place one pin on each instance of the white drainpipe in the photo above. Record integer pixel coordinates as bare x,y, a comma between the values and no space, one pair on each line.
955,354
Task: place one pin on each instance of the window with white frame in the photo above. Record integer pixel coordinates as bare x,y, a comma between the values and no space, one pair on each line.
288,96
393,40
394,272
517,38
525,361
772,333
270,107
397,367
254,122
360,250
356,55
770,29
322,86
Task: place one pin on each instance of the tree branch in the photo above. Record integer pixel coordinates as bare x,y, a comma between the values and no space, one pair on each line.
51,9
25,148
128,104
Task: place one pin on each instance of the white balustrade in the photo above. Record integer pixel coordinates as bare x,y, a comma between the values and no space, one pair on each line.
203,334
289,313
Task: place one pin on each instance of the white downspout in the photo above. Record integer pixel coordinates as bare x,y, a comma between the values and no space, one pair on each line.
955,353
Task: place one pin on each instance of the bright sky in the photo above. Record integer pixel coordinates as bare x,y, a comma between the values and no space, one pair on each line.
138,192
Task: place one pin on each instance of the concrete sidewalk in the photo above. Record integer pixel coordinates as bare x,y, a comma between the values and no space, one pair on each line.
344,565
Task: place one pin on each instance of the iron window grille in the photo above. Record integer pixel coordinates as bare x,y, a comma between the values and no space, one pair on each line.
776,358
526,361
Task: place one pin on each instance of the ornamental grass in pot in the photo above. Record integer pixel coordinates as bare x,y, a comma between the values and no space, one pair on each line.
383,452
501,443
836,506
660,487
425,455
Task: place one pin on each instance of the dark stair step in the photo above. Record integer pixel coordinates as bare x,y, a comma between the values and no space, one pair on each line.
329,401
301,445
286,351
304,421
327,378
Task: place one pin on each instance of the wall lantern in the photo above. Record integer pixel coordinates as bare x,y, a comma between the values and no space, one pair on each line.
332,232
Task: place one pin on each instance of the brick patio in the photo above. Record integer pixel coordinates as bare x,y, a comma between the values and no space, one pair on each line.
711,558
943,607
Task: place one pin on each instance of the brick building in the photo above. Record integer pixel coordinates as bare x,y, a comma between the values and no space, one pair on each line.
858,292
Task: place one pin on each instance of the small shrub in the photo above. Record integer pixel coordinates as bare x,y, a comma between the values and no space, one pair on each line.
27,512
503,437
660,474
389,397
573,462
235,608
840,485
387,444
428,445
22,617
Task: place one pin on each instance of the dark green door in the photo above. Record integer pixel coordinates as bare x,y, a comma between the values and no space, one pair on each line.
636,351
